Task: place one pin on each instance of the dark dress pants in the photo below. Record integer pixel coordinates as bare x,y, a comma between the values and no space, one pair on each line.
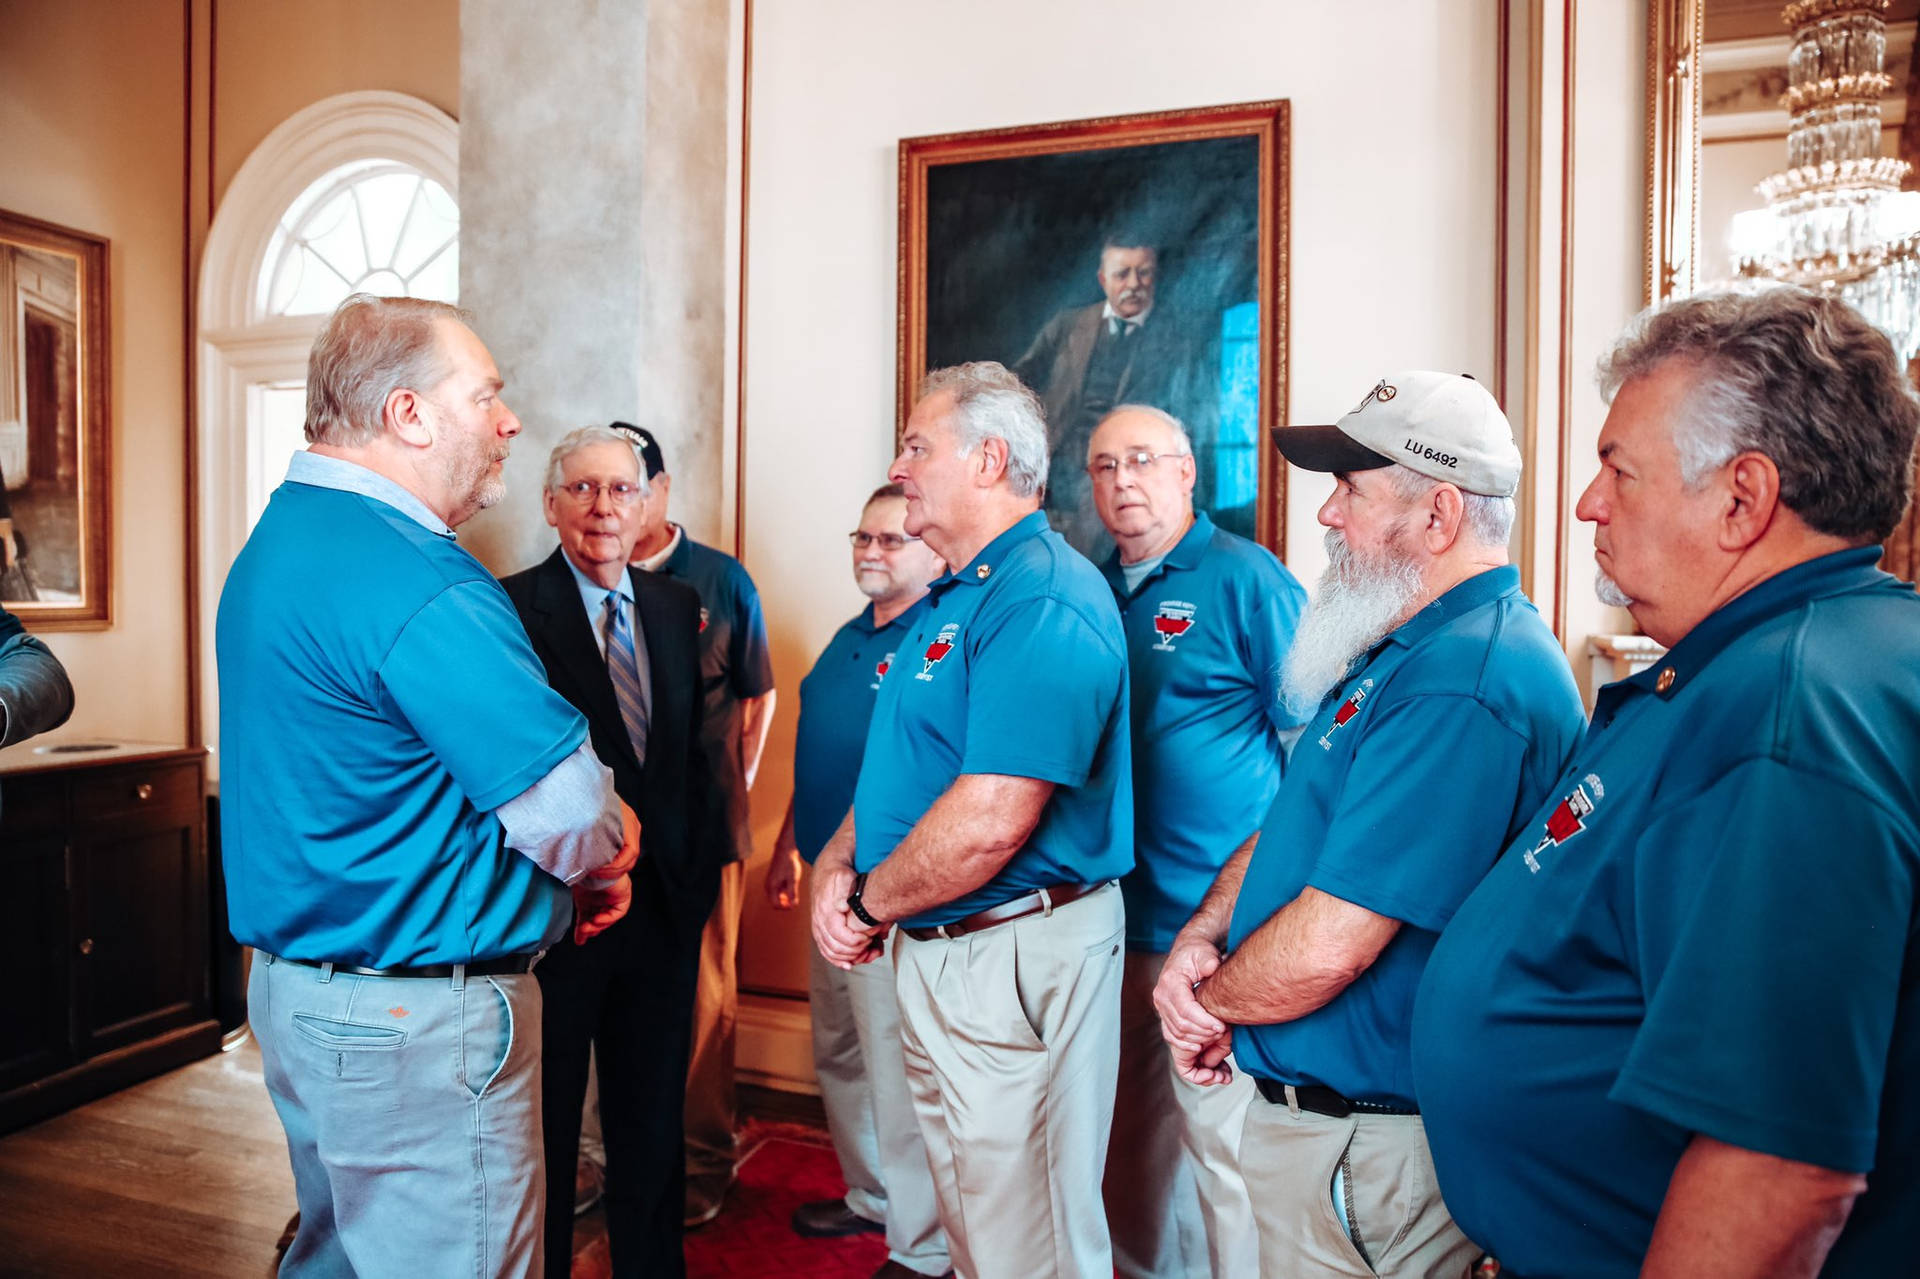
629,992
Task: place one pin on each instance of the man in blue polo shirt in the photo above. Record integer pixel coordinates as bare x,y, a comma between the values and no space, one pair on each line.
1677,1027
856,1020
1208,618
406,806
1445,711
992,816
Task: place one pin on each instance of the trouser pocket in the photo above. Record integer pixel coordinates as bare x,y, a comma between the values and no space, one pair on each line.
486,1034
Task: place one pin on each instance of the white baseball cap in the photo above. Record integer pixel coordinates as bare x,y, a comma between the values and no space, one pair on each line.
1443,425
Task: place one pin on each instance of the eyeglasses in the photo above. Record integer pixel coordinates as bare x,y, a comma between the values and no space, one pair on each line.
1138,462
587,492
861,540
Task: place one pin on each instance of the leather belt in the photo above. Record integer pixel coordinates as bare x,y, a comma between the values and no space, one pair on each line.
1322,1100
1040,901
478,968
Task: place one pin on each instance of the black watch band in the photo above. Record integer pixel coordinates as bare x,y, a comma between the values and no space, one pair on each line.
858,907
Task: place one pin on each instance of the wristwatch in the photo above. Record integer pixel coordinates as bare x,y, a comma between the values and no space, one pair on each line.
858,907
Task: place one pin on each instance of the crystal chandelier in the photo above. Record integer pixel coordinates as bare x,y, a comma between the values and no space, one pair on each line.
1836,218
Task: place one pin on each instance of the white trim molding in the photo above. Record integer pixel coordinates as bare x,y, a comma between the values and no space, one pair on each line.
775,1044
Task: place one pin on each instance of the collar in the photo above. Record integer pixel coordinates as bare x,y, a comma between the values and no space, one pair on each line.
1837,573
671,558
979,570
1460,599
323,472
1184,554
1108,313
592,591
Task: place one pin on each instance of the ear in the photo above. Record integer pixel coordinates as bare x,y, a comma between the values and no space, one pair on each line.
1751,485
1189,472
1444,511
407,417
662,484
993,461
553,516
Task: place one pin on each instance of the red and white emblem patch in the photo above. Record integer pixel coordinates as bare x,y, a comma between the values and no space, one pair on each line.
1171,620
938,650
1568,818
1348,709
703,621
880,669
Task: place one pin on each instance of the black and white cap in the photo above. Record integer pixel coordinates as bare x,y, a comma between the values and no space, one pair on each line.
1443,425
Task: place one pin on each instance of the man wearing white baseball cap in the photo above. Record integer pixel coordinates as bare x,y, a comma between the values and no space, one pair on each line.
1442,710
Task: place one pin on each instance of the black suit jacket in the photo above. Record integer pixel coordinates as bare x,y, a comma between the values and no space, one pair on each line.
668,793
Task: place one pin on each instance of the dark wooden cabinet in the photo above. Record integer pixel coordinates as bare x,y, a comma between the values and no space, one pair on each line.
103,927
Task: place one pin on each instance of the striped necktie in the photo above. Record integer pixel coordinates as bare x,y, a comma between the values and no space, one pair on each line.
624,671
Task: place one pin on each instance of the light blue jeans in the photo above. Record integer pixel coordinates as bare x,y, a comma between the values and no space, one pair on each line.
412,1112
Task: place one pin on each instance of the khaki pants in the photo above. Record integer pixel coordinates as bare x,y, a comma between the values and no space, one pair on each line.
863,1085
716,1008
1012,1041
1399,1224
1175,1202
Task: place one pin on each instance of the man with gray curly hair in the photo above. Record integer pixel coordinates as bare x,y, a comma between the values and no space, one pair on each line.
992,817
1694,965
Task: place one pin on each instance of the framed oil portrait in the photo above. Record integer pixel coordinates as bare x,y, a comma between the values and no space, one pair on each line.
1132,259
55,517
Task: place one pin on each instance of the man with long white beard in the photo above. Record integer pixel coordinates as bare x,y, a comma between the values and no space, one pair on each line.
1445,711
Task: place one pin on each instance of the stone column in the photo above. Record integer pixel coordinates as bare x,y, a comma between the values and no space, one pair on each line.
593,154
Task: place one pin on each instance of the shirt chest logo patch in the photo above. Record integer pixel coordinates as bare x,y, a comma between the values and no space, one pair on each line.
1171,620
1344,716
703,621
1568,818
880,669
938,650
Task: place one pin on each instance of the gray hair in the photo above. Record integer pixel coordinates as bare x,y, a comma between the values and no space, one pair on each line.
1183,440
369,348
1797,376
989,402
575,440
1487,519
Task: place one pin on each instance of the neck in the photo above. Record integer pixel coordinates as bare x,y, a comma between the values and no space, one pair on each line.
1000,513
885,610
398,467
1144,546
655,542
607,575
1767,558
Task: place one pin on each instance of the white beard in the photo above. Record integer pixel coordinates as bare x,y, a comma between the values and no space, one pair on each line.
1357,603
1609,590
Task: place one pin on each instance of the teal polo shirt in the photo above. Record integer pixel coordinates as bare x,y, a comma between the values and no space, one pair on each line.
836,705
1207,634
1412,776
1707,926
378,700
1015,665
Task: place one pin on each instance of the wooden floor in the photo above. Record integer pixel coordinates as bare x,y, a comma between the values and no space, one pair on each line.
187,1174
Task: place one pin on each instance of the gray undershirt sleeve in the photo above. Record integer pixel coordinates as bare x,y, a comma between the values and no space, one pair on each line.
568,822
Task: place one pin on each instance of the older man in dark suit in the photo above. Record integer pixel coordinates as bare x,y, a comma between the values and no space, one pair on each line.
623,647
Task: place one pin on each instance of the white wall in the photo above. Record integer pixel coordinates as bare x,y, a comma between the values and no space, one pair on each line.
1392,252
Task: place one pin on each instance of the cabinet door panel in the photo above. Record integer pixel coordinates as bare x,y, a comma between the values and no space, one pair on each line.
36,1033
140,899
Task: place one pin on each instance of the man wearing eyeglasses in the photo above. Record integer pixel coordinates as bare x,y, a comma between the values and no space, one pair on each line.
1209,618
856,1022
623,648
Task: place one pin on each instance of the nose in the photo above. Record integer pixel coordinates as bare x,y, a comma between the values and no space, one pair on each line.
509,422
603,500
1330,513
897,473
1591,508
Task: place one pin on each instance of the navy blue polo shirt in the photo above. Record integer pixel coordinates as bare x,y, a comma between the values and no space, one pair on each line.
1207,635
1412,776
734,666
1016,665
378,700
836,705
1706,927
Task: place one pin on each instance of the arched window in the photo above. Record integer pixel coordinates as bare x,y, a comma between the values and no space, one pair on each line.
355,193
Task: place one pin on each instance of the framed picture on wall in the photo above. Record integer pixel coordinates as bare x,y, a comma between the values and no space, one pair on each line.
1131,259
55,517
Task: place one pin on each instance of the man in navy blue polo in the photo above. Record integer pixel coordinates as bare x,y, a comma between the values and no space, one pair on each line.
993,814
1677,1031
1446,709
856,1020
406,805
1208,618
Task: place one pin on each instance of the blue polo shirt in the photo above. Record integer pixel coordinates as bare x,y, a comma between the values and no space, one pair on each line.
1015,665
1706,927
836,705
378,700
1412,776
1207,633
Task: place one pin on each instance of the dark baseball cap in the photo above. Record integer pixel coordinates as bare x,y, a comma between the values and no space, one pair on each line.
643,440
